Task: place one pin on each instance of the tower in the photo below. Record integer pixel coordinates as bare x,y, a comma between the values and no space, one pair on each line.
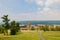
28,25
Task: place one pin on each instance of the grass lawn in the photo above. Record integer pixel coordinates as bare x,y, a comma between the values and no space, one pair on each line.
52,35
34,35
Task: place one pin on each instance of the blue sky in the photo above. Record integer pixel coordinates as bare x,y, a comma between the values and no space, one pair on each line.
18,6
30,9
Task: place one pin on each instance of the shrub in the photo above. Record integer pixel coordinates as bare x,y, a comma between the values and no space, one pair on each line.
1,29
32,28
13,31
52,29
57,28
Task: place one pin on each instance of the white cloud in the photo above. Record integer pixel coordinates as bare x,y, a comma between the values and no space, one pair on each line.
38,2
50,2
47,14
51,10
47,3
51,14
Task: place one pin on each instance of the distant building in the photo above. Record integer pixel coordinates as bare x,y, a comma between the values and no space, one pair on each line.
28,25
25,27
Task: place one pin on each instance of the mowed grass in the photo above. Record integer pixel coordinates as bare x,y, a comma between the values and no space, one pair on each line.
34,35
52,35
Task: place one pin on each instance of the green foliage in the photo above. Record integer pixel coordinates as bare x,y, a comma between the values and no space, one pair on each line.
45,28
6,23
41,27
57,28
52,29
1,29
13,32
14,27
17,27
32,28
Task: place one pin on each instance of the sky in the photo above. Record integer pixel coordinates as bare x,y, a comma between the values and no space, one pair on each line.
21,10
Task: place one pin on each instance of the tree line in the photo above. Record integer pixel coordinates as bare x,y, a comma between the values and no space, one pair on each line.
51,28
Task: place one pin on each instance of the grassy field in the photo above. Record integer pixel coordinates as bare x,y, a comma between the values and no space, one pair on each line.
33,35
52,35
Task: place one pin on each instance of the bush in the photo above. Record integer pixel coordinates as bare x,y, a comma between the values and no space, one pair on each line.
1,29
52,29
57,28
32,28
13,32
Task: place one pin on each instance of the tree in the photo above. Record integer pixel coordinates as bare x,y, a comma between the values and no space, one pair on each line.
32,28
17,27
14,27
57,28
46,27
52,28
6,24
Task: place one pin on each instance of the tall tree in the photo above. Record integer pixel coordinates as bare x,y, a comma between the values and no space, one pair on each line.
6,24
13,28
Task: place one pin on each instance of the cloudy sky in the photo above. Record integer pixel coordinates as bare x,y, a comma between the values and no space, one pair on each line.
21,10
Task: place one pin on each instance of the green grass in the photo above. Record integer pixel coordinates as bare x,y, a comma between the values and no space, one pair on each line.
52,35
22,36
